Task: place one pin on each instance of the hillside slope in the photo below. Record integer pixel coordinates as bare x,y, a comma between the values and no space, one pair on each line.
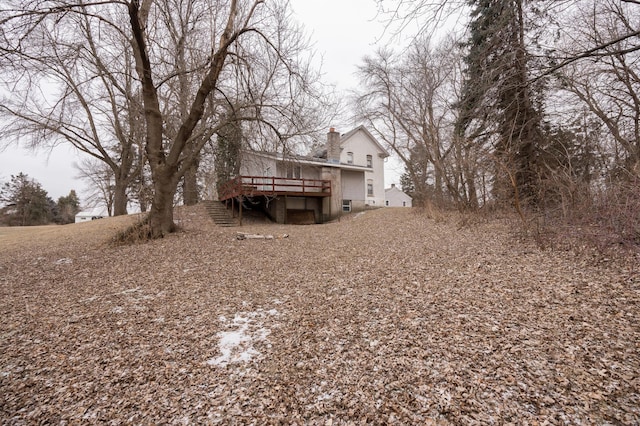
384,317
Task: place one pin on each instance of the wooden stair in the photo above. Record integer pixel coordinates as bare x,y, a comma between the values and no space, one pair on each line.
219,213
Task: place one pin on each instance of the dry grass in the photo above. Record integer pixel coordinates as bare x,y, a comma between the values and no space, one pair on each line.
37,237
388,317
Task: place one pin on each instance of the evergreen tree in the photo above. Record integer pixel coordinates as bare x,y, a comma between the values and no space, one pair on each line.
497,98
28,202
418,179
68,207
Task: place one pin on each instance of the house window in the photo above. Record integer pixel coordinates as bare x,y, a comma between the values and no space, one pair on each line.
404,204
386,203
369,161
293,171
370,187
346,206
349,157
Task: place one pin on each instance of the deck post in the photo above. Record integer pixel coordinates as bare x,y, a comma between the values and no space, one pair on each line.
285,209
240,211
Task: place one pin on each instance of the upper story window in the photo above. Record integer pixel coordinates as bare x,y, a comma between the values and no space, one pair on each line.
349,157
293,171
369,161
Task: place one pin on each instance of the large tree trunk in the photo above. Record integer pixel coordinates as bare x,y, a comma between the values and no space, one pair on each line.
472,192
166,163
161,213
120,198
190,185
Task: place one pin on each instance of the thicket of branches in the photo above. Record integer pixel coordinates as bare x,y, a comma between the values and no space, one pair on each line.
536,104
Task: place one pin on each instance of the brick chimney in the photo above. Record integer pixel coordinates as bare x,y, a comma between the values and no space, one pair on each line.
333,146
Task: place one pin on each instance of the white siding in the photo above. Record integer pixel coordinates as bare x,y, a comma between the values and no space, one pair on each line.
361,145
352,184
256,165
397,198
311,172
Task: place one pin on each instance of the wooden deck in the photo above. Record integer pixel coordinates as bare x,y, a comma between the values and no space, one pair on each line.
253,186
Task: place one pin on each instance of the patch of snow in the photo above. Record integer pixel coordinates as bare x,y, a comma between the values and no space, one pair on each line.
63,261
236,345
117,310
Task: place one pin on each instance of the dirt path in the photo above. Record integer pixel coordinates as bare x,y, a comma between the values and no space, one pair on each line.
385,318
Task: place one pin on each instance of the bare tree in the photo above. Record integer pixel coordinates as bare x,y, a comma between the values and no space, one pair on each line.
101,183
432,15
231,34
70,83
185,27
608,85
409,101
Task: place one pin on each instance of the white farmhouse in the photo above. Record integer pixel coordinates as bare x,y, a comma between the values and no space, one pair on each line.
396,197
345,175
360,148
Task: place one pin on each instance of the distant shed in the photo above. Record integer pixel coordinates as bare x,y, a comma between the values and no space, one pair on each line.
394,197
93,214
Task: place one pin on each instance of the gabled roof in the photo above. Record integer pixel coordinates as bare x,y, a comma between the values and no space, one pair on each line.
396,189
321,151
350,133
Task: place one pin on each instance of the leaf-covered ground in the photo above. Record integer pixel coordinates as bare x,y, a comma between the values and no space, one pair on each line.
387,317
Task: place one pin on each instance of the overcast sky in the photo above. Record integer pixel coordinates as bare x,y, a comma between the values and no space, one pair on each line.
343,32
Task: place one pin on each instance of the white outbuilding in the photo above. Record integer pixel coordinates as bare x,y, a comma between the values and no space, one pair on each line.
90,214
395,197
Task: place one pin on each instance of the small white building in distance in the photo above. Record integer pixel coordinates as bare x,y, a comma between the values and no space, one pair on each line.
394,197
90,214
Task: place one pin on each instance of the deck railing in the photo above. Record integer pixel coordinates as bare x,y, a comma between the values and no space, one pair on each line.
271,185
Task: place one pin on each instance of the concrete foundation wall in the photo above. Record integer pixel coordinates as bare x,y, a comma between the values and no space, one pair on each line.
358,205
278,207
